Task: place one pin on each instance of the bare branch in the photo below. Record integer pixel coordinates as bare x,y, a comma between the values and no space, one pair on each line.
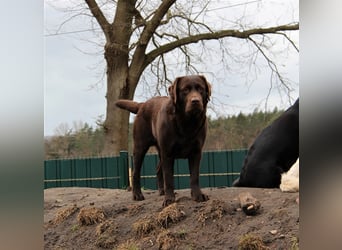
152,25
166,35
287,37
191,22
216,35
64,22
273,67
101,19
138,59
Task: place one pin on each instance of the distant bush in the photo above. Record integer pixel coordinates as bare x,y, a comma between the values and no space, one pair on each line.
224,133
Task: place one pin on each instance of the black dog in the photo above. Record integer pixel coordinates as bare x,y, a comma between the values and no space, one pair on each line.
177,126
273,152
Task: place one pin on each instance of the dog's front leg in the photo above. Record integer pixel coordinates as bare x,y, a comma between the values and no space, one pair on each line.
194,164
160,178
167,167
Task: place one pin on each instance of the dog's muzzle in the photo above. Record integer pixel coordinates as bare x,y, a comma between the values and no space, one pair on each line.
194,105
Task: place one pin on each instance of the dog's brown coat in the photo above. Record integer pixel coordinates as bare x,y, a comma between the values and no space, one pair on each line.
177,126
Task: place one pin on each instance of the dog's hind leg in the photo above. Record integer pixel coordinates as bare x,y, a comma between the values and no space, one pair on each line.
138,157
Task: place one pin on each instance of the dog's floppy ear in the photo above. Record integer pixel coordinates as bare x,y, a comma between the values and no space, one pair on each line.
208,88
173,90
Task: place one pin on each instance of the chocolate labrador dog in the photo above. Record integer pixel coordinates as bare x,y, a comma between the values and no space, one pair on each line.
177,126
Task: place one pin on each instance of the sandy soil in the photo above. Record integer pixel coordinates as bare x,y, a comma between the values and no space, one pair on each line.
88,218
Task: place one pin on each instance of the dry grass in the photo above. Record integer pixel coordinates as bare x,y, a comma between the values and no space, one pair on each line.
251,242
106,242
64,213
128,245
170,214
90,215
107,227
144,226
295,243
167,240
106,234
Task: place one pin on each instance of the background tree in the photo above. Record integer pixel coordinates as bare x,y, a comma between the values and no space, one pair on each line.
139,34
80,141
224,133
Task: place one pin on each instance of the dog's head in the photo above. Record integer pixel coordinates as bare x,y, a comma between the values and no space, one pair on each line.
190,93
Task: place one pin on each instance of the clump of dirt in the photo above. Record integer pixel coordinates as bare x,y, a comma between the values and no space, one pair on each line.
135,209
90,215
213,210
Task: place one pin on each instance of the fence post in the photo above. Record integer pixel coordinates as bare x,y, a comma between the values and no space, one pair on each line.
123,169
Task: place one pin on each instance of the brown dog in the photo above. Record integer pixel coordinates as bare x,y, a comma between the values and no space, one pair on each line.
177,126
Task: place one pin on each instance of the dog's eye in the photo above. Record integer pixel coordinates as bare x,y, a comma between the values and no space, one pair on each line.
199,88
186,90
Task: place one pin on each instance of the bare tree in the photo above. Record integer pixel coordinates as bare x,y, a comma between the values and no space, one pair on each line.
141,33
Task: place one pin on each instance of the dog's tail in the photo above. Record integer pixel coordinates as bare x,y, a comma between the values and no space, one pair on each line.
129,105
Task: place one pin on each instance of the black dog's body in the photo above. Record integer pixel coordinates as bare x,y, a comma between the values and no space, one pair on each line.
273,152
177,126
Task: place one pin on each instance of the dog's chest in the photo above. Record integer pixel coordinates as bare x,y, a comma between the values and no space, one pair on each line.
184,147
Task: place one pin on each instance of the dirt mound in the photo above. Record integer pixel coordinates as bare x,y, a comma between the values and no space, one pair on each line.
86,218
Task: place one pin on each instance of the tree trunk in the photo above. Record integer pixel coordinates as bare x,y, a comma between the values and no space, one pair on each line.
118,87
115,125
116,132
118,84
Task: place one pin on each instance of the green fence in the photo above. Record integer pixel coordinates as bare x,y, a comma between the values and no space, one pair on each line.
106,172
218,168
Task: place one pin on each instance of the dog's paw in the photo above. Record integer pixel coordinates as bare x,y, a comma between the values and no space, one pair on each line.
200,197
161,192
168,201
138,196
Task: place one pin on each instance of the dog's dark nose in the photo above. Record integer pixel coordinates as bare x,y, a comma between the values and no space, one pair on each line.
195,101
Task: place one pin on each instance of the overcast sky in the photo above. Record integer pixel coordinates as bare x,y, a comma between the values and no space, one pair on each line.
75,87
